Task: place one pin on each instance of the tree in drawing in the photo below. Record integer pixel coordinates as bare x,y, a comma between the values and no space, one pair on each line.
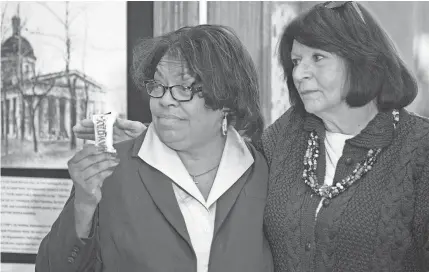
38,107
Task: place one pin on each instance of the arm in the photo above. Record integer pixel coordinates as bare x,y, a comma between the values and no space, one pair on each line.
71,245
62,249
421,216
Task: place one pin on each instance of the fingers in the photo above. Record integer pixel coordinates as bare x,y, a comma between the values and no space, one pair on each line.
88,150
87,123
84,130
96,181
93,163
93,180
97,168
88,170
89,161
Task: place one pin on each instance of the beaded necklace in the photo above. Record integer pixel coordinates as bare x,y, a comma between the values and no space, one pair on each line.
310,165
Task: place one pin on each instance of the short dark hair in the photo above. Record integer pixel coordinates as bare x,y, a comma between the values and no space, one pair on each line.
221,63
375,69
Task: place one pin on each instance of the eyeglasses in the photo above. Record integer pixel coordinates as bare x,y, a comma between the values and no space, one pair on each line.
179,93
340,4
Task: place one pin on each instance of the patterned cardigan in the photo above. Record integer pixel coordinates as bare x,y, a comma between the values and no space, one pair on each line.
381,223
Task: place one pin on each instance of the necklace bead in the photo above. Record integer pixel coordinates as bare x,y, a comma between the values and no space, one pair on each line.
310,165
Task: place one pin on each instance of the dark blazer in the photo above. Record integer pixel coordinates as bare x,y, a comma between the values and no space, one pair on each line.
138,225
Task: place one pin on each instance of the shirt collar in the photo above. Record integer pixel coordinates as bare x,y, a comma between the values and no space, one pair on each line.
235,161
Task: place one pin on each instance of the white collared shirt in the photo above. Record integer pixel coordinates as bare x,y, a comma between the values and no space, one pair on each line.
334,145
199,214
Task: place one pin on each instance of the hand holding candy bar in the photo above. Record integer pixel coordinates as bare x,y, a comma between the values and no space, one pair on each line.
122,130
88,169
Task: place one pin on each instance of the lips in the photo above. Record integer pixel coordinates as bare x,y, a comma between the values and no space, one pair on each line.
169,117
305,92
169,121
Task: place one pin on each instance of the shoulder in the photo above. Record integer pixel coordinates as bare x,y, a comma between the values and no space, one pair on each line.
260,162
421,125
289,122
282,122
419,133
418,140
258,175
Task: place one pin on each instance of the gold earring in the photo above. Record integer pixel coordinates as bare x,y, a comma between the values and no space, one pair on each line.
224,125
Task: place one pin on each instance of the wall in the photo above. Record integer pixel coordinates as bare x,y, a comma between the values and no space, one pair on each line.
171,15
251,22
140,24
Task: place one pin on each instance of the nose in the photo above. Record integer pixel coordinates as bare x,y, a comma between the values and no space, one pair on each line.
167,99
301,71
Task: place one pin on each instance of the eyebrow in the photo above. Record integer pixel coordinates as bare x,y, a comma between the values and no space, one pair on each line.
185,77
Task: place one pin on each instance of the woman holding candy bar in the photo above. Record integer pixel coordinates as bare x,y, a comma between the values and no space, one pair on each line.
188,194
349,166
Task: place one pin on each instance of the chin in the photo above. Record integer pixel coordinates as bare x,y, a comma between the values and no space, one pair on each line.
314,108
174,139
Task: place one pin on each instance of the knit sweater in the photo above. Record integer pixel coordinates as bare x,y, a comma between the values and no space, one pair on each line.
380,223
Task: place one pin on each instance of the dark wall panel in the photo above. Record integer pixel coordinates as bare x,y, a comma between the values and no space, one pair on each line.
139,25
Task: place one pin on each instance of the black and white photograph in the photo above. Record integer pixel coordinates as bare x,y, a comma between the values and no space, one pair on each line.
215,136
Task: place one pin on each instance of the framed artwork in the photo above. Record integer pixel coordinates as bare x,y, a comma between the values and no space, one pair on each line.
60,62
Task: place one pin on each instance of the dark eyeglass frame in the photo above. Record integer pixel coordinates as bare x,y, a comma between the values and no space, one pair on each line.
340,4
193,89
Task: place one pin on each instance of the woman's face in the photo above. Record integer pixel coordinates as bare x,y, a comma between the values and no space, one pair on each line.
320,78
182,125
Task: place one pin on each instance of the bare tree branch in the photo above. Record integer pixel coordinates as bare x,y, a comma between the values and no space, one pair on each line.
50,88
3,12
77,14
4,28
23,24
57,17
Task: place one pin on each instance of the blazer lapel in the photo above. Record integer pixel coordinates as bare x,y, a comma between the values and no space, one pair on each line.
160,189
227,200
258,171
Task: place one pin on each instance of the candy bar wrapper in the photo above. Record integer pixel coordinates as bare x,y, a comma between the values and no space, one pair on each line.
103,126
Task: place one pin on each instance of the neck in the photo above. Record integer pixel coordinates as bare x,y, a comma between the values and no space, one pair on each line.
197,160
348,120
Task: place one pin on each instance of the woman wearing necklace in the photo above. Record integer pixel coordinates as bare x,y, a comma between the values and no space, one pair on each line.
349,166
187,194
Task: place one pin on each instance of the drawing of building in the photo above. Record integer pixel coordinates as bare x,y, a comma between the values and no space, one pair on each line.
47,97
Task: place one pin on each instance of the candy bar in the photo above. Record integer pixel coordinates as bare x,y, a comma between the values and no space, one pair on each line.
103,126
